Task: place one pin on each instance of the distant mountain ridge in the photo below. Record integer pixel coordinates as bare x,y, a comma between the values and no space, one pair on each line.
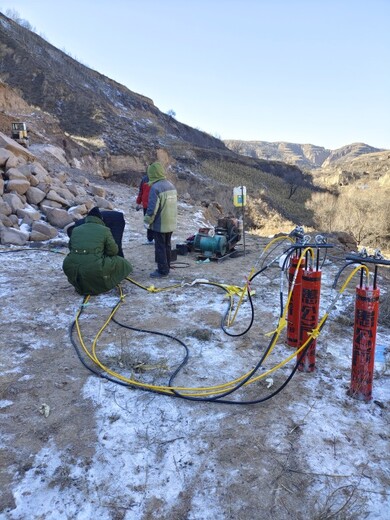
306,156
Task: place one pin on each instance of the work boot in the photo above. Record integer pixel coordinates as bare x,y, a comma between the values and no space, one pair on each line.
157,274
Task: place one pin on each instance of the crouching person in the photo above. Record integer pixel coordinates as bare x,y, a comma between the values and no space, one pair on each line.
93,265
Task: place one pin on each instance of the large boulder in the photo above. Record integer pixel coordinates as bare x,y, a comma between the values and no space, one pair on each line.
35,195
28,214
53,195
50,204
12,146
66,194
56,152
57,217
103,203
15,221
14,173
5,208
4,156
25,170
14,162
17,185
78,191
97,190
12,236
42,231
40,173
14,201
78,211
6,221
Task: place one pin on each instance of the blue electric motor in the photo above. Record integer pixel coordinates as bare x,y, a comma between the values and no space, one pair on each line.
218,241
210,245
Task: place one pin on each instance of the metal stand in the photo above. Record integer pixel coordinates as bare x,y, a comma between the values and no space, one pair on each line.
243,217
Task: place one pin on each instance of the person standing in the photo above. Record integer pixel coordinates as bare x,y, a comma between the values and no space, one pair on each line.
161,216
142,202
93,265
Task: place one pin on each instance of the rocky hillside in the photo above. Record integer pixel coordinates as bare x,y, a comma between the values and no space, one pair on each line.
83,124
35,204
102,115
92,124
306,156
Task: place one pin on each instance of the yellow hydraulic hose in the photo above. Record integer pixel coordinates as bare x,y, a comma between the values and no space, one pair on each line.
276,239
244,290
152,288
211,390
204,390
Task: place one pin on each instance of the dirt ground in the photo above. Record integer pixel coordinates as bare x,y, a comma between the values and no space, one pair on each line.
76,446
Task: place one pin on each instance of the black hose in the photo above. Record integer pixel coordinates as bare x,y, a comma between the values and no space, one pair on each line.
217,398
250,323
283,385
336,279
105,375
32,249
236,387
186,357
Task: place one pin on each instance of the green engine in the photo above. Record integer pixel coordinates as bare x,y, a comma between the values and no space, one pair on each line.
217,241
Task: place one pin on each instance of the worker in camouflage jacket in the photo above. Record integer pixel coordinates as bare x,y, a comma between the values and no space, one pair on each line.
93,265
161,217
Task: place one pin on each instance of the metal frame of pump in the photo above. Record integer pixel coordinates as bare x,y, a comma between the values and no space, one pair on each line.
219,241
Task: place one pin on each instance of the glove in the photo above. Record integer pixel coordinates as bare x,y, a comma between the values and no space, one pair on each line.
138,207
146,226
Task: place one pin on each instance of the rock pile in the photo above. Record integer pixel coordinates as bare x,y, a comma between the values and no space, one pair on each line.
34,204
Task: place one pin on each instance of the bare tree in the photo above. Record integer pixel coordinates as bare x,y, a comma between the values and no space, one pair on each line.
352,218
15,16
324,207
295,179
362,214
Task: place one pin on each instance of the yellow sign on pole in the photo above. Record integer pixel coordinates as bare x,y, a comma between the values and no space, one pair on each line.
239,196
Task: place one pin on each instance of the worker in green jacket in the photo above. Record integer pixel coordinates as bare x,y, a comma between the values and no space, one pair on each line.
93,265
161,217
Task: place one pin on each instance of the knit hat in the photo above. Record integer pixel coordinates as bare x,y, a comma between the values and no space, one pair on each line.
95,212
156,173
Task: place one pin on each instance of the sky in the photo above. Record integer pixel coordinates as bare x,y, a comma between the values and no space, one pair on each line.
301,71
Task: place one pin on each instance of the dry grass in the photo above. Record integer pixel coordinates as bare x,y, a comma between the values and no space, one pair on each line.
268,191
